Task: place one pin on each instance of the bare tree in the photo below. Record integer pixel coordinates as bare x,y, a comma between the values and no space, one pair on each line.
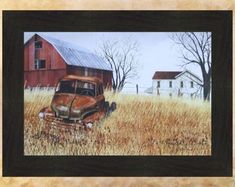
122,58
196,49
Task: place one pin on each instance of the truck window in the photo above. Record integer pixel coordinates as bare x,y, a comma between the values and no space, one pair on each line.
85,88
66,87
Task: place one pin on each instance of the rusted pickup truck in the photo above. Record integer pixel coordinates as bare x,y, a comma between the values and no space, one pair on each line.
77,100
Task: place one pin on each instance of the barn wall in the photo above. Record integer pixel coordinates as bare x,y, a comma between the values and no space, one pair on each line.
55,65
73,70
105,76
43,78
52,57
29,55
26,58
47,52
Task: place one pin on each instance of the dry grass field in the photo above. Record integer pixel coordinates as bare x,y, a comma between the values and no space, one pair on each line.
141,125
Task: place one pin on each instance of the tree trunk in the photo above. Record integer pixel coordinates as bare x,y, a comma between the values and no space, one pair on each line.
206,89
114,88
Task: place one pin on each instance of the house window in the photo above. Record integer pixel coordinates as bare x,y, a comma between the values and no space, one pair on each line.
170,84
191,84
38,44
181,84
158,84
39,64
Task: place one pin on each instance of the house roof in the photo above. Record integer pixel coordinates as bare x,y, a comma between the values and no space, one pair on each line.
76,55
192,74
166,74
173,75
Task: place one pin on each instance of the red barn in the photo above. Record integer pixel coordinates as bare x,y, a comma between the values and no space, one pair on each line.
46,60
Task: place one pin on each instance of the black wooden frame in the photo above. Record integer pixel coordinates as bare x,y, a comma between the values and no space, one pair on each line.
15,23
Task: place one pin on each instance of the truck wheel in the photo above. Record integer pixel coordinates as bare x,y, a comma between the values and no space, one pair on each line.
113,106
106,106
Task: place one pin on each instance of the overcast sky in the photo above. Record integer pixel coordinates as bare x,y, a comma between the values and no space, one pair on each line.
157,52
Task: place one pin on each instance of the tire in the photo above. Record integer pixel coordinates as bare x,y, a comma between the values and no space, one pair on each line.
106,108
113,106
106,105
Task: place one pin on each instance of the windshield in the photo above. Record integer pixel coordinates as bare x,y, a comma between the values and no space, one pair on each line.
66,87
85,88
78,87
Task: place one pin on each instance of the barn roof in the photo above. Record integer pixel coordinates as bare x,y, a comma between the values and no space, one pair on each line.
76,55
166,74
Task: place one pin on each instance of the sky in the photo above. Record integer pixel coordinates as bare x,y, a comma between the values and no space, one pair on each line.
157,52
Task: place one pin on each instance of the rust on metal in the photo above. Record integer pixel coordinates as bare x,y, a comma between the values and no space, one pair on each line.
78,101
94,80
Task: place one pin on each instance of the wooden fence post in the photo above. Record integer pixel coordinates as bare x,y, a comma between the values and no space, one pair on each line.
137,89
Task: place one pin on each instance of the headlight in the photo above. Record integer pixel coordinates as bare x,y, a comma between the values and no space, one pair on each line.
41,115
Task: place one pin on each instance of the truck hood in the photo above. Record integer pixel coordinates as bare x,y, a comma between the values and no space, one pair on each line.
62,100
64,105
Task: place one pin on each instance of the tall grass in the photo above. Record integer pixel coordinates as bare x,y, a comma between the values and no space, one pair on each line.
141,125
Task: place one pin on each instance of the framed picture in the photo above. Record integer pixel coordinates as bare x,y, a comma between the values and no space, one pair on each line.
117,93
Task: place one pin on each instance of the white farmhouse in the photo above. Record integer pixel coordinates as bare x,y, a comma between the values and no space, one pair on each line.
177,83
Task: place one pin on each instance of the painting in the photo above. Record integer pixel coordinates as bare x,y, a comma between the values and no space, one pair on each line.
117,93
144,97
